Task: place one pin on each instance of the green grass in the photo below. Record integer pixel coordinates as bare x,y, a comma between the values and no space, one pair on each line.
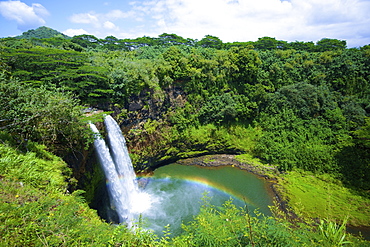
313,196
322,196
37,168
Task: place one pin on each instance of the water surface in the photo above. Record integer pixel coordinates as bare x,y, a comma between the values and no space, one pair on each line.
177,190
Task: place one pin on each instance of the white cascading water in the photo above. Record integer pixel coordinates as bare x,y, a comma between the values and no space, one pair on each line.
120,154
127,198
116,191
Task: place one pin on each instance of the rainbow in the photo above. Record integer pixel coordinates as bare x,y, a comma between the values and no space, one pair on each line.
206,183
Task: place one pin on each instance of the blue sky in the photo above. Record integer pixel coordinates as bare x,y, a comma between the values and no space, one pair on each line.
230,20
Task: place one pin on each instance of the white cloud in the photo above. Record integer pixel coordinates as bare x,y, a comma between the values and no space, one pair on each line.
109,25
236,20
231,21
245,20
72,32
26,16
118,14
99,19
102,24
86,18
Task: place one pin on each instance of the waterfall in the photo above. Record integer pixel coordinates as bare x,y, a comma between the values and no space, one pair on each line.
116,190
120,155
127,198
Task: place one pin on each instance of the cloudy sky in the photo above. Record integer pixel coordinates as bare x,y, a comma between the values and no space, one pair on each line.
230,20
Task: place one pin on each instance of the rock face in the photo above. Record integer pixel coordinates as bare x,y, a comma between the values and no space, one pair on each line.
151,105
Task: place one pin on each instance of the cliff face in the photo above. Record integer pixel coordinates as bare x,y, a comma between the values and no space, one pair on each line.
150,105
143,117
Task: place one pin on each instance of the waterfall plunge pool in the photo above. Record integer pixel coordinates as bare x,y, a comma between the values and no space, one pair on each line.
176,193
173,194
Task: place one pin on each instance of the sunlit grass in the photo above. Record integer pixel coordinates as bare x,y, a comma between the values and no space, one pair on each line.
322,196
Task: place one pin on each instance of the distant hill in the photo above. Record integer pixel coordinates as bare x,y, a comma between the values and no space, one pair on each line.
42,33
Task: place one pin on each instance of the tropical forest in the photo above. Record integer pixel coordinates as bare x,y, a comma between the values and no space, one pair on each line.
294,114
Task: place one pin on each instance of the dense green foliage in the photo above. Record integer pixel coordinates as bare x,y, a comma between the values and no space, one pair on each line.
50,67
38,114
305,101
222,87
298,106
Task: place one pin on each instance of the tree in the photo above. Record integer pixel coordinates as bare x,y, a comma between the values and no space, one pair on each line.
172,39
306,100
86,41
244,67
225,108
327,44
302,46
249,44
177,61
111,43
266,43
362,135
354,159
68,45
211,42
133,44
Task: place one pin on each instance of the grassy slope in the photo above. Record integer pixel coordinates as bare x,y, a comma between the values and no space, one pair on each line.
36,210
316,196
322,196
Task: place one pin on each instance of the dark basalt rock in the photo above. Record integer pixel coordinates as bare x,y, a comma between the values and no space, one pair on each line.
135,106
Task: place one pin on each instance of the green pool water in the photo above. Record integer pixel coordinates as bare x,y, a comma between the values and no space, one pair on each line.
176,193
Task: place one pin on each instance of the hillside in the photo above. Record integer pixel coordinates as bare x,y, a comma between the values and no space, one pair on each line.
42,33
